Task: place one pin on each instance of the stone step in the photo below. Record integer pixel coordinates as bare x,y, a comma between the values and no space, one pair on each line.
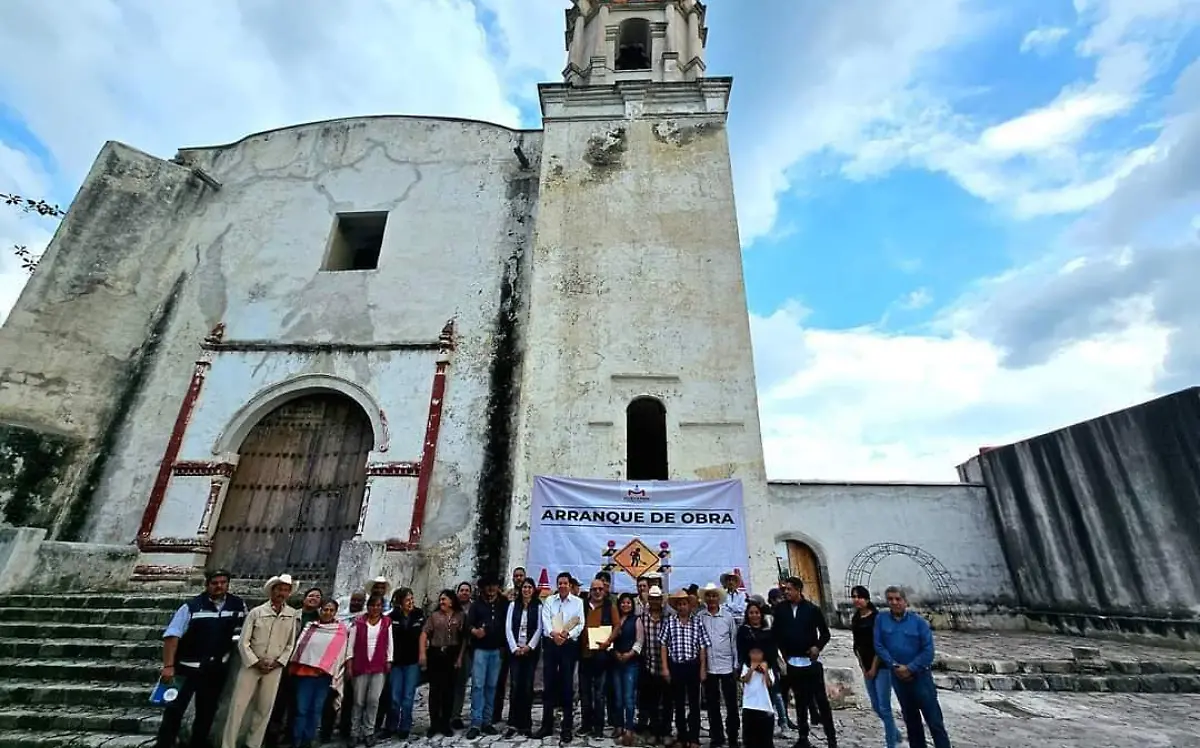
72,739
108,671
43,692
1153,683
143,721
138,616
1097,667
115,600
90,649
55,631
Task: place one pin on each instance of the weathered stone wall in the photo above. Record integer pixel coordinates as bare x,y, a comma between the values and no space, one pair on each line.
898,528
1102,519
460,205
75,347
636,289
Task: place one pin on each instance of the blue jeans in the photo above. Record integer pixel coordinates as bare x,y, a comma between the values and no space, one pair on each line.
879,690
625,681
310,691
405,679
918,698
485,671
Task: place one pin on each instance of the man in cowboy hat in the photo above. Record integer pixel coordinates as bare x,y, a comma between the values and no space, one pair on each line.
654,694
721,682
268,637
380,586
735,596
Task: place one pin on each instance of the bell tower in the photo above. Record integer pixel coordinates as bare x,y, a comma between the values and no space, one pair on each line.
622,40
637,361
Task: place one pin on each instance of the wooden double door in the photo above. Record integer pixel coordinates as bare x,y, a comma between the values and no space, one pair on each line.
802,562
297,492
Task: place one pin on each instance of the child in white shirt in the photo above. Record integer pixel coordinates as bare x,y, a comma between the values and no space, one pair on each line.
758,713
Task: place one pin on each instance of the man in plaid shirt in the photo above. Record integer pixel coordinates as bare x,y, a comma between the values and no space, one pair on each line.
684,650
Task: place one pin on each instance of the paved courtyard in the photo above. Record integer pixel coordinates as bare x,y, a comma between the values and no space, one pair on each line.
992,720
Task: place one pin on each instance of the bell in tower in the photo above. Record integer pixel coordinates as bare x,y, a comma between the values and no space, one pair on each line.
644,40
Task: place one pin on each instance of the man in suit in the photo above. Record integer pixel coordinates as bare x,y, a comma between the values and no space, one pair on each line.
801,632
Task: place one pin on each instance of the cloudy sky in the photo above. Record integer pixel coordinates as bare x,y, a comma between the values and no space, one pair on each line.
964,222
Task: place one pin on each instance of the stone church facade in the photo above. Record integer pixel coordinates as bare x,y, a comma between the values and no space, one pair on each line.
346,347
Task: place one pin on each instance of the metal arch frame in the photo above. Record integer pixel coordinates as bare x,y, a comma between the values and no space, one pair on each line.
862,566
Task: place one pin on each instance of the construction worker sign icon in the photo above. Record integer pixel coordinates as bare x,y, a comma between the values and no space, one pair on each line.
636,558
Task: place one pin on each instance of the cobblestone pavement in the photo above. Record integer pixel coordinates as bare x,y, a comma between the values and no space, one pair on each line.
991,720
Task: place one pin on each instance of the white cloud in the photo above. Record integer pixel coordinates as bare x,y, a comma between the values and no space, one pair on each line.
164,75
1043,38
851,67
917,299
1062,122
867,405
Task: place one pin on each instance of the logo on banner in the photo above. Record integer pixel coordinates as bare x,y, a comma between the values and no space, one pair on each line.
637,493
636,558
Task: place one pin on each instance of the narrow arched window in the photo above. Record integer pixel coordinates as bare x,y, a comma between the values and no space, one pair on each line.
646,440
633,45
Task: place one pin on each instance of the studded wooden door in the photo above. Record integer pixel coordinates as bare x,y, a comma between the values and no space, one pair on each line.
297,491
803,563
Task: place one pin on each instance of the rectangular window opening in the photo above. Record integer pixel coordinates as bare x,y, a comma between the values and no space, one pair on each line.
356,242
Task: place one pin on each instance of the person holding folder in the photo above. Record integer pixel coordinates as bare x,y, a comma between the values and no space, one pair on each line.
562,625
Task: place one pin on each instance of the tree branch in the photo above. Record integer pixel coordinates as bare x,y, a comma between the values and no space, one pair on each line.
28,259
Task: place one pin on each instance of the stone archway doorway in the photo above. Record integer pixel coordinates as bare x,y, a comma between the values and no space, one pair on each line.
297,491
803,563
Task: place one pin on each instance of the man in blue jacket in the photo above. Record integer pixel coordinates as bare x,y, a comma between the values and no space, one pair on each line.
196,648
904,641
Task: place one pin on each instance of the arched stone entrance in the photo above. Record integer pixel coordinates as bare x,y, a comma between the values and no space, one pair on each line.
864,562
802,562
297,491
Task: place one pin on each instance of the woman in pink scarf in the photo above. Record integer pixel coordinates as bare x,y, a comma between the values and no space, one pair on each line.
317,666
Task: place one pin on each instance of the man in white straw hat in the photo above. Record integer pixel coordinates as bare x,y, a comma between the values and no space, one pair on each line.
735,595
654,693
268,637
721,682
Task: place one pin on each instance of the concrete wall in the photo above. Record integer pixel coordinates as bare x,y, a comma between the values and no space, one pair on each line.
950,523
461,206
636,289
1103,518
75,348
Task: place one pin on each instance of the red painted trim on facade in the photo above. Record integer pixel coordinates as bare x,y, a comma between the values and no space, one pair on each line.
159,491
394,469
432,428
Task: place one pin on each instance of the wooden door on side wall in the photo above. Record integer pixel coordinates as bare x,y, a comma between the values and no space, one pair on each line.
803,563
297,491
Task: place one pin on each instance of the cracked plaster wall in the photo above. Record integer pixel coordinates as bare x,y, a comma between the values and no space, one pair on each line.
82,328
256,249
636,288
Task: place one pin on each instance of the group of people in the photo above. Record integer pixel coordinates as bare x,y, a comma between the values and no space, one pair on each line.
645,664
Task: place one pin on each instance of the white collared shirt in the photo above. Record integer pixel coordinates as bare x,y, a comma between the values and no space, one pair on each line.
570,608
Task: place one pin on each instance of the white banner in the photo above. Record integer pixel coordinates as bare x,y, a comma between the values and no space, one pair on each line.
691,531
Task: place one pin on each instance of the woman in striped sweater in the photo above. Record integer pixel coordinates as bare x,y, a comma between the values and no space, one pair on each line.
317,667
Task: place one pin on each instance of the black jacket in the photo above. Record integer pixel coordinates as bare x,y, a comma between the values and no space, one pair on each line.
797,632
489,617
406,635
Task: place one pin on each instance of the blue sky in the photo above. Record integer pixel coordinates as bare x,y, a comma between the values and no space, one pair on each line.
963,222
